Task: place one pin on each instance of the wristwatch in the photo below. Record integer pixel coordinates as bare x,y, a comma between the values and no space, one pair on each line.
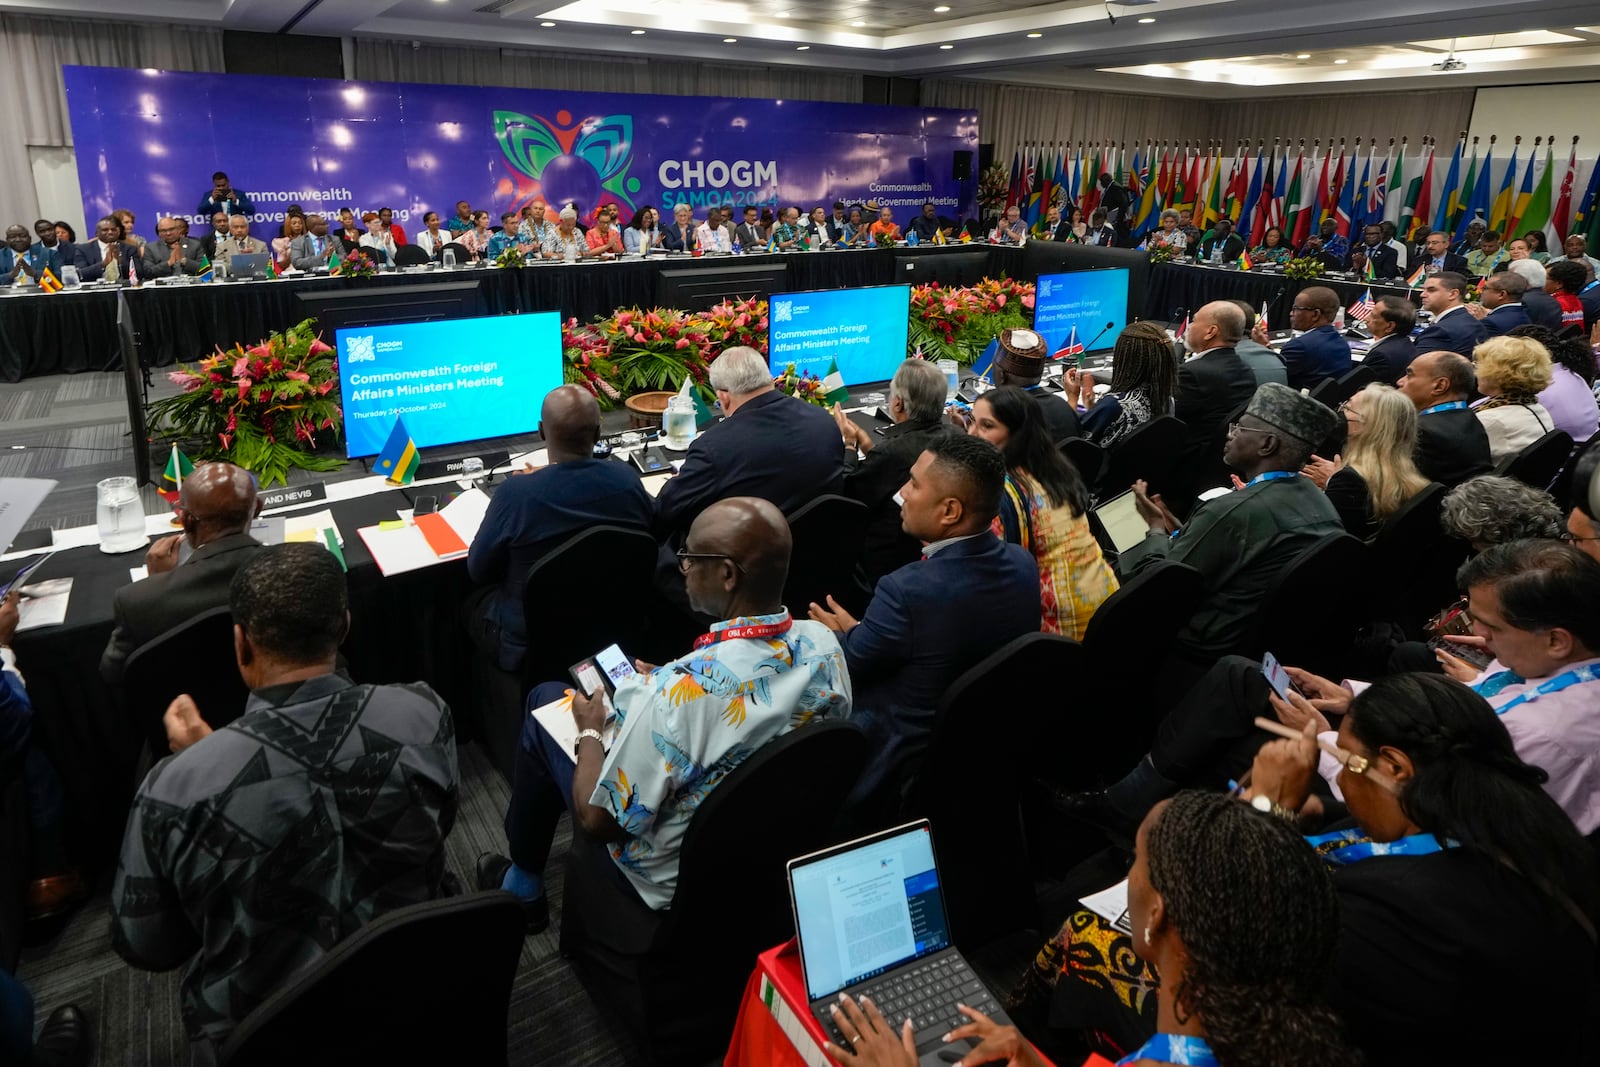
577,744
1267,806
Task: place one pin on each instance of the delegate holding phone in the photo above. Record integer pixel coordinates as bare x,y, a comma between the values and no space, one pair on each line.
1277,677
606,669
1472,654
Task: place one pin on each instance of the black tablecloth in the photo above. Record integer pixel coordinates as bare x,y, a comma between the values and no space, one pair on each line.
76,331
1177,289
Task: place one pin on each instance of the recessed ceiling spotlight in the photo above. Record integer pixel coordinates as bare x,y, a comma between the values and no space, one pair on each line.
858,22
637,33
1303,55
941,9
548,25
1146,21
802,48
946,47
1032,35
1340,62
730,40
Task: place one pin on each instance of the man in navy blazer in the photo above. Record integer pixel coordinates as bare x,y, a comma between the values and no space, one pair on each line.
1213,383
1453,328
107,248
1384,259
931,620
1321,350
1436,256
1500,309
771,446
1390,352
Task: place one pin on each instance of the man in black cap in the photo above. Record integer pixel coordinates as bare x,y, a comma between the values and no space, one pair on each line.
1242,541
1020,361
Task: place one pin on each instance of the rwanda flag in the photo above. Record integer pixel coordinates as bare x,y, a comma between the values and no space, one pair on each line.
833,389
398,460
179,467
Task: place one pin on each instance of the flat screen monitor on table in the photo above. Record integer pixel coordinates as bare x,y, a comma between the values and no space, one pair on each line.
451,380
862,330
1084,300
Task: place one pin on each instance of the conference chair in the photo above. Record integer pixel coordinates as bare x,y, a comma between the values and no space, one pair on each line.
1088,457
410,256
1539,463
1311,616
1415,562
827,533
16,847
194,657
675,978
1561,488
1335,391
427,983
976,814
1151,452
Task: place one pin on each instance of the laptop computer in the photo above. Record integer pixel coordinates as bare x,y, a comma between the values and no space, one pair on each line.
871,921
1121,518
248,265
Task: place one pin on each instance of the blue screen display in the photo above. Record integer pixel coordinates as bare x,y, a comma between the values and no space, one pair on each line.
1085,299
451,380
863,329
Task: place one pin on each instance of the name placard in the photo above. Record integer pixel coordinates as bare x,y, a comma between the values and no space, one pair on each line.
444,468
292,495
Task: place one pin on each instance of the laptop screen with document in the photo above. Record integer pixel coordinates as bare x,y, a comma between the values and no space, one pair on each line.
866,906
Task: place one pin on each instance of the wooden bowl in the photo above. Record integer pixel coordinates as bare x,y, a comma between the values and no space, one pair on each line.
645,409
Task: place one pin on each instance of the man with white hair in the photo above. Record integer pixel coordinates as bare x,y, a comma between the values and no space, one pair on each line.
1541,307
770,446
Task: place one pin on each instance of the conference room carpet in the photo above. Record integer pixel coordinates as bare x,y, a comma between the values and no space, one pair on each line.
135,1014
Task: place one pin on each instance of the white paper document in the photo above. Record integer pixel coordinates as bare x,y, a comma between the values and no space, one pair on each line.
1111,905
44,604
556,718
465,513
399,550
19,499
309,527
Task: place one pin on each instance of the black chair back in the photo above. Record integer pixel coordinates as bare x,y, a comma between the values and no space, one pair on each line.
1311,616
195,657
827,534
1415,562
1539,463
977,818
1335,391
731,901
410,256
589,592
428,983
1151,452
463,253
1088,457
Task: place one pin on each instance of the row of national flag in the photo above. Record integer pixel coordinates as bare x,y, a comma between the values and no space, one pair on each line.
1296,191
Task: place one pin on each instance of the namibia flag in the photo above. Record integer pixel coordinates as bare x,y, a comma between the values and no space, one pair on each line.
398,460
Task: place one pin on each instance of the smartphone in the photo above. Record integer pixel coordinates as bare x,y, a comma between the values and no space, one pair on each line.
1472,654
605,669
1276,676
425,505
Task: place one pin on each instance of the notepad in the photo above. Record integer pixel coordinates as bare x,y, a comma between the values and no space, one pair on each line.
556,718
441,536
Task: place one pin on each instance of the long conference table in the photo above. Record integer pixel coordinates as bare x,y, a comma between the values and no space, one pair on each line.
1178,289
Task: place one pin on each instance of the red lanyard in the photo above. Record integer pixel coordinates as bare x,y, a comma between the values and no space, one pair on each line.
737,633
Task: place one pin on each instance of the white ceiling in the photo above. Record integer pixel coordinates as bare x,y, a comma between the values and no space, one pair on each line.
1236,48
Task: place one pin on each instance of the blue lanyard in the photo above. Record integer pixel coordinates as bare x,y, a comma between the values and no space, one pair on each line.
1358,850
1174,1048
1453,405
1565,680
1271,476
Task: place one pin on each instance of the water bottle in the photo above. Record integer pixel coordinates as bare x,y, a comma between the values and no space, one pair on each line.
1216,254
448,259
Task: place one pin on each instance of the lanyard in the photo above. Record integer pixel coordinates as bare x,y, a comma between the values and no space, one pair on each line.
1174,1048
1358,850
1564,680
1453,405
1271,476
758,630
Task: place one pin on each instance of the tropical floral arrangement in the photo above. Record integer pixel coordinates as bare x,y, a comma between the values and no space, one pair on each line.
510,257
993,186
635,350
1160,248
959,322
1303,268
883,240
262,407
807,386
358,264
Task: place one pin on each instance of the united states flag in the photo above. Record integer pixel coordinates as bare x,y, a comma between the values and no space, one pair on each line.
1363,308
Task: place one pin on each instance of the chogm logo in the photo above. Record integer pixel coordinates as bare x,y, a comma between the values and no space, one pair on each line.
1044,288
359,350
567,160
782,310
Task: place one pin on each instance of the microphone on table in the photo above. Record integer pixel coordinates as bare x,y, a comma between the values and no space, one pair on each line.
1090,346
1277,297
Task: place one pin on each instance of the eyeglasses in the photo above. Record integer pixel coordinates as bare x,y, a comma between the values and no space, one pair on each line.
1300,307
1571,538
1350,412
685,558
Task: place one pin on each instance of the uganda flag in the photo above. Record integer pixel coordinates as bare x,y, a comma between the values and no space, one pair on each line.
48,282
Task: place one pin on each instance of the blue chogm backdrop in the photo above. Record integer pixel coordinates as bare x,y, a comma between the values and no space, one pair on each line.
149,141
863,329
451,380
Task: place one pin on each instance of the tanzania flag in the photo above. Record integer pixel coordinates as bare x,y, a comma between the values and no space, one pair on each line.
205,273
398,460
833,389
1245,262
179,467
48,282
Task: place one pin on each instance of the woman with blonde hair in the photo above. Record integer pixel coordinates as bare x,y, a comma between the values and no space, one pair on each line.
1511,373
1376,476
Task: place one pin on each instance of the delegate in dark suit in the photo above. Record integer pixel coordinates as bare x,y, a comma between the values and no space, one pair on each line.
1389,358
1504,318
308,251
1449,261
35,261
1452,446
1385,260
674,239
1315,355
1226,249
145,610
530,516
1590,299
157,255
874,480
927,623
1059,416
94,255
1454,331
1211,387
774,446
1542,309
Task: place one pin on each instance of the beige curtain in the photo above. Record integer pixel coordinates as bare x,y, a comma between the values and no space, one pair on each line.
1442,114
398,61
32,53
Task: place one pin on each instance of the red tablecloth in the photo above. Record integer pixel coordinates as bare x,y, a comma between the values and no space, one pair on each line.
775,1027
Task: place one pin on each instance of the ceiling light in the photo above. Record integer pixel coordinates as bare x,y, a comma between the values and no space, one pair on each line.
548,25
637,33
858,22
1303,55
1340,62
780,14
1032,35
941,9
802,48
946,47
730,40
1146,21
